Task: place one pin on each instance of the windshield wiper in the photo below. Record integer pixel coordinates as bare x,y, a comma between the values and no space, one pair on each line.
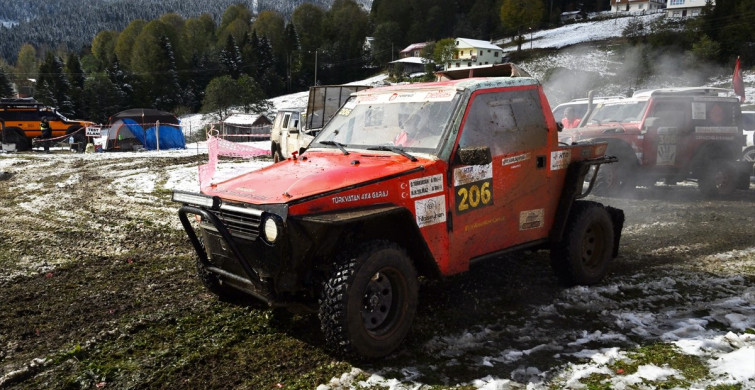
393,149
338,144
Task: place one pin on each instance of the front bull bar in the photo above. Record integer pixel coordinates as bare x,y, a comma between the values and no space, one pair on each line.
226,235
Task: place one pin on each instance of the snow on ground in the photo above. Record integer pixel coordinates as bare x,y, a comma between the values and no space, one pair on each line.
575,33
731,356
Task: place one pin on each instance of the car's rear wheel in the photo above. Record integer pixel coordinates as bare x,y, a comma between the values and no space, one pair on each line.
718,178
16,136
583,255
369,301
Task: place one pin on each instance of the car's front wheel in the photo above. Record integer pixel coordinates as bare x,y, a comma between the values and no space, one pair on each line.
369,301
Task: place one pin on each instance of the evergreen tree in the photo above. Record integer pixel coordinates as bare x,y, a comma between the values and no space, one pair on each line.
6,89
76,78
101,98
169,92
230,58
53,87
123,86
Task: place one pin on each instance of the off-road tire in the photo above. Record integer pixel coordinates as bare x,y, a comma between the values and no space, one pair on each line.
585,251
369,301
275,150
718,178
616,178
211,281
14,135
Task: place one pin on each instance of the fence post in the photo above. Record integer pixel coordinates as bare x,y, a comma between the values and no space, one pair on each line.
157,135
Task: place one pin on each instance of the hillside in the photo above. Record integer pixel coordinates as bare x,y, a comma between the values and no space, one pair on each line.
73,23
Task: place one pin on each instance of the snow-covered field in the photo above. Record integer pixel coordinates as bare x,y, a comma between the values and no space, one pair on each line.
706,310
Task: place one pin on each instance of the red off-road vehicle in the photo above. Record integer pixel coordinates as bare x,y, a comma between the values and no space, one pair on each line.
404,181
670,135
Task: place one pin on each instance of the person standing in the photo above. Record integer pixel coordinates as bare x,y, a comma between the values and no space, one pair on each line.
570,119
46,134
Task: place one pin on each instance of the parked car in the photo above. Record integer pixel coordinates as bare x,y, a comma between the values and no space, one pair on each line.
669,134
748,125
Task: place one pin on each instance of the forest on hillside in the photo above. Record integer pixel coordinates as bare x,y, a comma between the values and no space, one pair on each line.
241,57
71,24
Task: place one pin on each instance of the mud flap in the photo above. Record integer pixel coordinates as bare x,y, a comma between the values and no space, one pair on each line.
617,218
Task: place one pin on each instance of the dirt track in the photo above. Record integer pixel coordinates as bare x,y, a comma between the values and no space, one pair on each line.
97,286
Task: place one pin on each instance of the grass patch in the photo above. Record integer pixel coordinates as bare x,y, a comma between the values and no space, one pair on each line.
690,368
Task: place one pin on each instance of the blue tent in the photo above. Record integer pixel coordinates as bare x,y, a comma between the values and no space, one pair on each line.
142,123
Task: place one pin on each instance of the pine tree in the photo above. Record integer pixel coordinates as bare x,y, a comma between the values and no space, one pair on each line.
230,57
76,79
6,89
170,92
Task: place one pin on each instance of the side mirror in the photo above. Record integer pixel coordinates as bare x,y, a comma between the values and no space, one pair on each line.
474,155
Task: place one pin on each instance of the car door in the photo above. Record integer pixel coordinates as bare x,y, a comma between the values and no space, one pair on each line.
503,201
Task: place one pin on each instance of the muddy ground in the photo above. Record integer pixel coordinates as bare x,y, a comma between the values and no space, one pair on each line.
98,289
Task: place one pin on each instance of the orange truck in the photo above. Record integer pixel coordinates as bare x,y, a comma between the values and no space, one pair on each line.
21,120
404,181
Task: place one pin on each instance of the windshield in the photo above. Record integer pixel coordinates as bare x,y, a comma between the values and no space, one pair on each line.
623,112
413,121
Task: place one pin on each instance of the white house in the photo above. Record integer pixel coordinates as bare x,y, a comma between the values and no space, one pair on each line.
685,8
473,52
635,6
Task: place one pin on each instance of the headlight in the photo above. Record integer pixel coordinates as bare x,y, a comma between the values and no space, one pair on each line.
193,199
271,228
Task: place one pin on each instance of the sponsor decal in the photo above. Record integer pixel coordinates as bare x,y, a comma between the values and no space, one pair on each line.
560,159
698,111
600,150
666,154
717,130
426,185
358,197
430,211
440,96
531,219
482,224
515,159
472,173
473,187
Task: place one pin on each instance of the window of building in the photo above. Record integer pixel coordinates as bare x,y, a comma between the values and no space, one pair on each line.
495,54
481,52
676,2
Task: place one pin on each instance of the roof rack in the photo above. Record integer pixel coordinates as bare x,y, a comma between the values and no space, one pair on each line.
20,103
698,91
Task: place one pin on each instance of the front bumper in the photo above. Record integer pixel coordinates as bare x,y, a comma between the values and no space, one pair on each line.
231,243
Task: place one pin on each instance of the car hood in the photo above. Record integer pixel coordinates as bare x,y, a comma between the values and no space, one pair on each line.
592,131
310,175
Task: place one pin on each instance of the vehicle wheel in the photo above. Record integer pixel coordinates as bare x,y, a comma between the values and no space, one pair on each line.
277,157
615,178
369,301
79,137
211,281
14,135
718,178
583,255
